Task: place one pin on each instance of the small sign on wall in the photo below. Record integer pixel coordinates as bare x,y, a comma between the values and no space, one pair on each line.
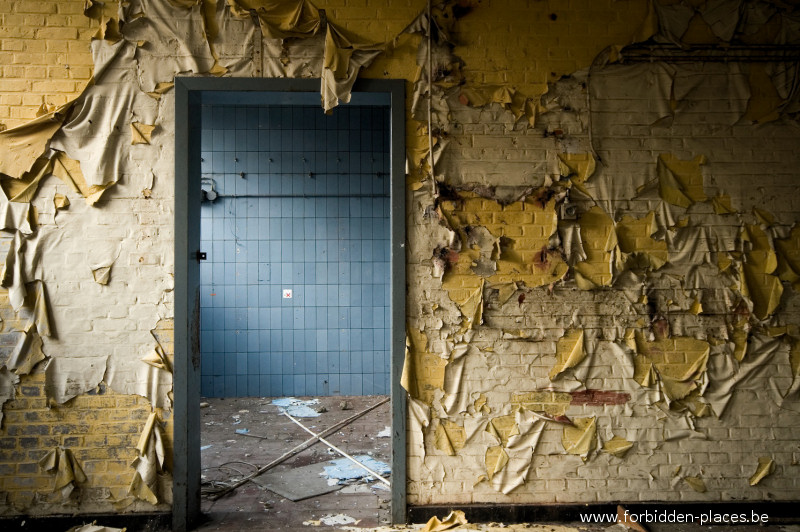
287,293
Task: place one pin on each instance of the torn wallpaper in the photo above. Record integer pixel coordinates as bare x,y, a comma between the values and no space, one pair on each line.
68,472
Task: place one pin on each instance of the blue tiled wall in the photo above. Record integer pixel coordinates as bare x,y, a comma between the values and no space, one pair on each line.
303,205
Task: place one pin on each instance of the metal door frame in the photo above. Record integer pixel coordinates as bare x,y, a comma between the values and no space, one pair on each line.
189,94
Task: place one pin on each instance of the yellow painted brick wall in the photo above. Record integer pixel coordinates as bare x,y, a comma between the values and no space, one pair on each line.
44,56
622,223
527,45
101,429
373,21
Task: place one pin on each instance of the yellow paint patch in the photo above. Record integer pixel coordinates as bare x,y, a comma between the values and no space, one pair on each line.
643,371
523,228
423,372
569,352
60,201
635,238
545,401
617,446
599,241
161,88
449,437
24,189
581,438
577,166
766,466
764,217
696,483
695,404
141,133
505,291
503,427
108,30
102,275
788,255
394,63
740,335
21,146
724,261
68,472
480,404
465,288
507,97
722,204
481,48
472,307
759,283
679,364
496,459
417,144
69,171
680,182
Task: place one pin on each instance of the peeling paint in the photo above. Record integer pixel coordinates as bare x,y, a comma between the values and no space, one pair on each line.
589,238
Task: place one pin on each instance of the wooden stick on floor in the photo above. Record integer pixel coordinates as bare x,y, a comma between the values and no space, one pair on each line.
303,446
332,446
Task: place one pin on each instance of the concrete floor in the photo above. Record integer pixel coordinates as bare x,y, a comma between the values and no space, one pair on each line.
233,456
357,507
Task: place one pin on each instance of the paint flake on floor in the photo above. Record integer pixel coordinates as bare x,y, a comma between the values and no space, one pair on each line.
343,469
297,407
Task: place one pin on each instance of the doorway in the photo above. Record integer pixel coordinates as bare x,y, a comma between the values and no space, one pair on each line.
294,290
309,191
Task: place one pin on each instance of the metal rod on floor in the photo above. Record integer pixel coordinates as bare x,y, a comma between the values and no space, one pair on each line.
303,446
332,446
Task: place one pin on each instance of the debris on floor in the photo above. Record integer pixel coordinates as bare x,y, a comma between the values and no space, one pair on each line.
343,469
361,488
238,477
297,407
94,528
385,433
332,520
299,483
454,519
624,523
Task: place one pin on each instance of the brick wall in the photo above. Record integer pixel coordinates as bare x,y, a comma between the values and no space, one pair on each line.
100,428
44,56
643,267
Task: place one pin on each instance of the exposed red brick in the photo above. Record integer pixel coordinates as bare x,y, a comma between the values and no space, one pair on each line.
599,397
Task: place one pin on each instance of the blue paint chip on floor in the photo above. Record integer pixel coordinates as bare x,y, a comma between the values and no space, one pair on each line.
297,407
344,469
